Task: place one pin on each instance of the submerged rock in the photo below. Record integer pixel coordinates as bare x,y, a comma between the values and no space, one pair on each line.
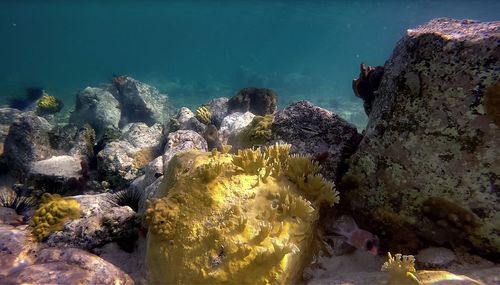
435,257
98,108
180,141
73,140
142,136
58,174
28,141
258,101
7,117
69,266
140,102
117,163
312,130
218,109
430,152
233,124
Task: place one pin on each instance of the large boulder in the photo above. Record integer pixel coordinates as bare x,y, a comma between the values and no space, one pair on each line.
140,102
429,161
218,109
98,108
320,133
181,141
28,140
234,124
119,163
73,140
142,136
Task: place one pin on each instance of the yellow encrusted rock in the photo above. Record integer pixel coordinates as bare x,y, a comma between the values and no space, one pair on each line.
51,214
232,219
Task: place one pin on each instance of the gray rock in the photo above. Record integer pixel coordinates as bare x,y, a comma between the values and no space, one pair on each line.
233,124
69,266
151,191
180,141
7,117
73,140
430,152
117,163
435,257
8,216
58,174
113,224
153,170
183,117
28,141
218,108
98,108
92,205
142,136
318,132
140,102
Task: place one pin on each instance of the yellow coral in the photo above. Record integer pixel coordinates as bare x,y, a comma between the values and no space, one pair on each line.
204,115
48,104
52,213
227,229
402,271
257,132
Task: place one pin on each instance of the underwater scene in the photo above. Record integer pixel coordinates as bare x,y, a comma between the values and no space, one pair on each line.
250,142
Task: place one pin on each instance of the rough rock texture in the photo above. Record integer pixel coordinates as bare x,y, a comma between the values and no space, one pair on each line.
16,251
73,140
7,117
258,101
91,205
28,141
435,257
114,224
140,102
429,160
180,141
116,163
58,174
233,124
183,117
98,108
318,132
218,108
142,136
69,266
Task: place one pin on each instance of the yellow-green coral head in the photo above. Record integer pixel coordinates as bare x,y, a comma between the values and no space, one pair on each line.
216,225
258,132
401,269
48,104
204,115
52,213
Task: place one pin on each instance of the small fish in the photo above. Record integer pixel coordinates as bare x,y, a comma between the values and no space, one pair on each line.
356,237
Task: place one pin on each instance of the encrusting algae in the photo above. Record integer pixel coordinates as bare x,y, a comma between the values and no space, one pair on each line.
248,218
52,213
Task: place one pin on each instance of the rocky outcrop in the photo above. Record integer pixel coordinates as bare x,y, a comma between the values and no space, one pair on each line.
322,134
28,141
98,108
73,140
428,162
140,102
258,101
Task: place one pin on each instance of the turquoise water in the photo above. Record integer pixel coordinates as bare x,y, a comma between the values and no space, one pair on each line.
196,50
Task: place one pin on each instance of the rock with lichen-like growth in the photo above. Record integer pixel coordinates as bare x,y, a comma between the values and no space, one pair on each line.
430,152
248,218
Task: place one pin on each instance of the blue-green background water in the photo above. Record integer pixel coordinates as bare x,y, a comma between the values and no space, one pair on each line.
196,50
